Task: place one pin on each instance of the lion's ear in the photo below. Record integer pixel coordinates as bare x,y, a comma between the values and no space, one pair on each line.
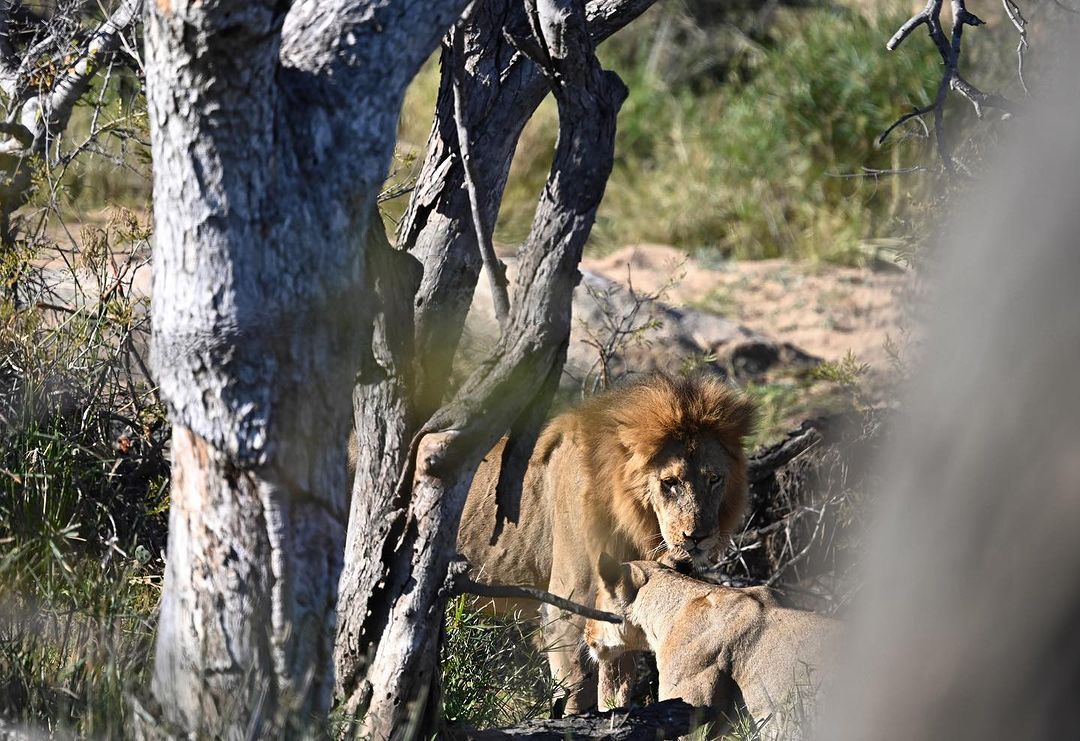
642,442
633,579
610,571
626,437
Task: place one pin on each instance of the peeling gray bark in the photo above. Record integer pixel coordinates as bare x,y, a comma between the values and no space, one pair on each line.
272,127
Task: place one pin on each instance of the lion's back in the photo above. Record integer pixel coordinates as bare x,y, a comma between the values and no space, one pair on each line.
522,555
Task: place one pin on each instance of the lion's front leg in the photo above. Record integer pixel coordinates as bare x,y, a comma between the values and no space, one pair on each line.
574,676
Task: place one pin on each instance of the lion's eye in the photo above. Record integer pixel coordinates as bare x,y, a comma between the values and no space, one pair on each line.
712,478
670,483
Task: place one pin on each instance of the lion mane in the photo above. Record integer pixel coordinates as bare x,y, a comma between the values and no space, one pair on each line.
625,430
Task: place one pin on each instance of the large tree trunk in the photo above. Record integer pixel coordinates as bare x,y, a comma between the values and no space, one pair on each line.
501,90
272,128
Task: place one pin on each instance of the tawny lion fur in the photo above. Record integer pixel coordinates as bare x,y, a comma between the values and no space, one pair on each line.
652,466
713,644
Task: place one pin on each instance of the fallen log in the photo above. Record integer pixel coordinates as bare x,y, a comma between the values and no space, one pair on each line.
662,720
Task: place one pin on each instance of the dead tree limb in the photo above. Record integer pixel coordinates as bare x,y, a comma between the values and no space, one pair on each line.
495,269
458,581
502,93
949,47
408,380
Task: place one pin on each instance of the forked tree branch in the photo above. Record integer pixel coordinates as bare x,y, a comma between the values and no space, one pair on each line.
420,545
503,89
502,92
949,48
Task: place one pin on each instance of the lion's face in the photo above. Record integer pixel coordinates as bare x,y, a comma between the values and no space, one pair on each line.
695,498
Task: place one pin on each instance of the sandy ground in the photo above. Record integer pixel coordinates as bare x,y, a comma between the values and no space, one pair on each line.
824,309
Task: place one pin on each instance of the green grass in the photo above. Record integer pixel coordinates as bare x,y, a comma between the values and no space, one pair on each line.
754,168
83,493
750,164
79,578
493,674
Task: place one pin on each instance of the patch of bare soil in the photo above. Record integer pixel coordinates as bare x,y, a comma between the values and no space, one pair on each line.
826,310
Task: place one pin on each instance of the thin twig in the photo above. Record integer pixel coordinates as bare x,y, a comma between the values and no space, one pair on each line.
1020,24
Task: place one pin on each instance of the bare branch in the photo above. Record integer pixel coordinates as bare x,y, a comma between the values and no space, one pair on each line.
504,90
949,48
57,106
1012,10
916,113
495,269
458,581
419,547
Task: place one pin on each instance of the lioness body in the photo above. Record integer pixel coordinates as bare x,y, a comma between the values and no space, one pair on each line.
654,466
712,643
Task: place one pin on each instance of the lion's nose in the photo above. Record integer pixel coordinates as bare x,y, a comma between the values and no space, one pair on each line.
688,536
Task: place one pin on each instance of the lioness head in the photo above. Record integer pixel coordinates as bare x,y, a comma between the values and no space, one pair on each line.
681,443
619,585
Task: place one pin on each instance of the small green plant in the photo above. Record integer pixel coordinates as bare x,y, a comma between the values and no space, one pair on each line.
847,373
493,674
776,402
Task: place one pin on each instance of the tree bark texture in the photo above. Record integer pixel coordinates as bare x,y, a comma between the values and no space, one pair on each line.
390,624
272,125
501,89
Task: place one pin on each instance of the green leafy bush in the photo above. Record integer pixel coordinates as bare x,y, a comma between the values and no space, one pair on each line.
773,166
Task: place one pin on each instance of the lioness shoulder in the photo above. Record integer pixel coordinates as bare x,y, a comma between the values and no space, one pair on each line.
715,646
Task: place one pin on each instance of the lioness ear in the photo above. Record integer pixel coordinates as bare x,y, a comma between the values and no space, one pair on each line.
610,571
632,579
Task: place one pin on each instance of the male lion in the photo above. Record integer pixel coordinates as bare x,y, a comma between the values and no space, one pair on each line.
714,645
652,466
